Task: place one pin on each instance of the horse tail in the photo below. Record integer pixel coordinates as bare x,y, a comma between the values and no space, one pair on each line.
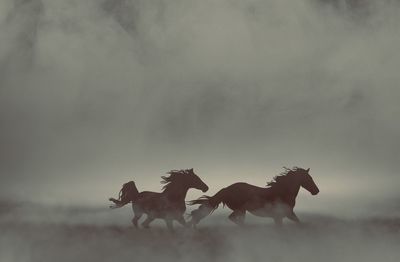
207,206
127,194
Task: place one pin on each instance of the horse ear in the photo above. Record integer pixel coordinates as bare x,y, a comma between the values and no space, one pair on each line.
308,170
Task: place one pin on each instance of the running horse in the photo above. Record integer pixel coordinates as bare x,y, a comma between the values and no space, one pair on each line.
277,200
168,205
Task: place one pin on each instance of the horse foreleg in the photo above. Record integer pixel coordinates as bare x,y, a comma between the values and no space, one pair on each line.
292,216
169,224
182,221
138,214
200,213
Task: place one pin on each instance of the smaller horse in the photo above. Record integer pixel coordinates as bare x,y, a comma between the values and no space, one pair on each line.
277,200
168,205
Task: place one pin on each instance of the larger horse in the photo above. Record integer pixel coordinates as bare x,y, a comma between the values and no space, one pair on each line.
168,205
277,200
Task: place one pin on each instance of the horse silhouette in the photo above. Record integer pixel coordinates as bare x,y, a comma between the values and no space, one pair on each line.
168,205
277,200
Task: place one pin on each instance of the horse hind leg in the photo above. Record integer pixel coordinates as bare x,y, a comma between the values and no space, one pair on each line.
138,213
195,217
237,217
136,218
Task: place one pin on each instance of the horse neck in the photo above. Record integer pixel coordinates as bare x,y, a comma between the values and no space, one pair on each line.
176,191
294,190
289,190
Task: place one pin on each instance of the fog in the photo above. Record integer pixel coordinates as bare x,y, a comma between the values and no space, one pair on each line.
114,243
34,233
96,93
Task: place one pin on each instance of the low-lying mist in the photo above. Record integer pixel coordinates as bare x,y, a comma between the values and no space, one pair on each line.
34,233
96,93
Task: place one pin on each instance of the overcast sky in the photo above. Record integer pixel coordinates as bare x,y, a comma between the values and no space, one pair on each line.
98,92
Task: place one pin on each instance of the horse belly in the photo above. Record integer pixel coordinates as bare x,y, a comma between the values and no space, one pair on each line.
161,208
260,209
262,212
233,205
271,210
237,201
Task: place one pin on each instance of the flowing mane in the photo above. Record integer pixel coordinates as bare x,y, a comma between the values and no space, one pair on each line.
174,175
283,176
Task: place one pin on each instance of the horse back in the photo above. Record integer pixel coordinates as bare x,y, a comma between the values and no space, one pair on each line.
246,189
237,195
148,194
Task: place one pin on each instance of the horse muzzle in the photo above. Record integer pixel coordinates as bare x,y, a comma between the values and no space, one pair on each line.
204,189
315,192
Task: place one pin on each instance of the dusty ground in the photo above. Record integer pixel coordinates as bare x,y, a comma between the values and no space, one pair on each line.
64,234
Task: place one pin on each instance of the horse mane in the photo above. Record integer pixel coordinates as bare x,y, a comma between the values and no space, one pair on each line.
282,177
173,176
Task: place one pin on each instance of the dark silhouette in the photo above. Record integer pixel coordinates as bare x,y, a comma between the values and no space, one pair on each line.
168,205
277,200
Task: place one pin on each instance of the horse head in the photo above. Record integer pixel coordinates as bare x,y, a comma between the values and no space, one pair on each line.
194,181
186,178
306,181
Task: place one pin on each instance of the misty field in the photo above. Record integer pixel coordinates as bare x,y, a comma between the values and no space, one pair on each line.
97,93
79,234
